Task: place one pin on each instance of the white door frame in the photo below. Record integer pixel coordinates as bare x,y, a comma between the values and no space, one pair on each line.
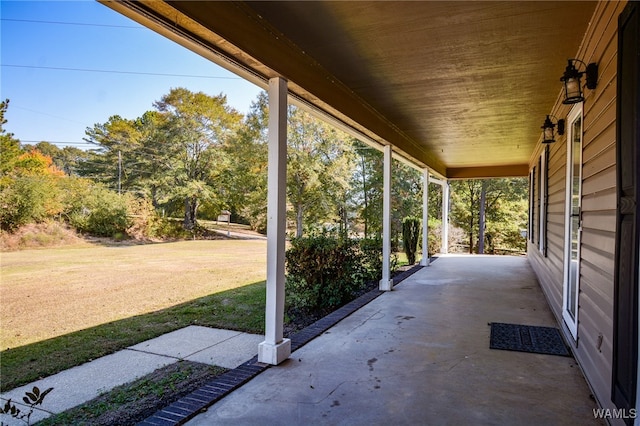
571,320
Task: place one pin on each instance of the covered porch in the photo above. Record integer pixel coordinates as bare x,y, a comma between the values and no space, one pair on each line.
420,355
459,90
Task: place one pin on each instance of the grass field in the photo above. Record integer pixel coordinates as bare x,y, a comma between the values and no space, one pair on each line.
52,292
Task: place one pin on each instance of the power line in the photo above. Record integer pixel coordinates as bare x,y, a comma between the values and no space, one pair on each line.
34,21
45,113
119,72
56,142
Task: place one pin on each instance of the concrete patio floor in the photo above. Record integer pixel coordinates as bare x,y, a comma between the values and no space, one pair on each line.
420,355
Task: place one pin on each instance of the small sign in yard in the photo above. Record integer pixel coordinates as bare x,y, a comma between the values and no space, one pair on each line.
225,216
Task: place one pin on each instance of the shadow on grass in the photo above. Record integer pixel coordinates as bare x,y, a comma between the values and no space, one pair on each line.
240,309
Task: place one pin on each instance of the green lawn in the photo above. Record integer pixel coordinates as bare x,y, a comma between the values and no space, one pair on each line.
65,306
240,309
51,292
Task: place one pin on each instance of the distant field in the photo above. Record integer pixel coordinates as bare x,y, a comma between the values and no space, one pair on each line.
50,292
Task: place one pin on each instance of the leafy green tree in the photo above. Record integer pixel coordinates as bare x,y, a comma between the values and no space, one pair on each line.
245,175
9,146
197,127
501,197
174,155
29,191
117,143
406,198
152,167
367,187
319,167
406,193
28,182
66,159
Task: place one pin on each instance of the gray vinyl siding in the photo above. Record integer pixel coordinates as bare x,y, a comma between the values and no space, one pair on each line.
595,315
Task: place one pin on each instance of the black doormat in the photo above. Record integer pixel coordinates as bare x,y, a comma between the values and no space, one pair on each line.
526,338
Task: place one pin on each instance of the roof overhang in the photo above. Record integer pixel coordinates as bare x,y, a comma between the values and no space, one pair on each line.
460,87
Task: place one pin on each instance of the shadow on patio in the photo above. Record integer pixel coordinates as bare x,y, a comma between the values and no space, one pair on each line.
420,355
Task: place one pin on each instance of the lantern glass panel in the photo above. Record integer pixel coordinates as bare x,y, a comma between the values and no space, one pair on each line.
548,134
573,88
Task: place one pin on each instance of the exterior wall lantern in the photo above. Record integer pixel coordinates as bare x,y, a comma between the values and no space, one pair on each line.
549,127
572,79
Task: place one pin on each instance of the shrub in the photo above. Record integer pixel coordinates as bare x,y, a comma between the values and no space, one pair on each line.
144,221
435,236
27,199
100,212
371,252
323,273
410,236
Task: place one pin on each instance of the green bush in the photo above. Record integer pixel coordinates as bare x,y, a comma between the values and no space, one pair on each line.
100,212
434,236
371,252
27,199
410,236
323,273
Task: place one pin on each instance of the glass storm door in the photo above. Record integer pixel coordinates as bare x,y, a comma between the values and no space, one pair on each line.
573,221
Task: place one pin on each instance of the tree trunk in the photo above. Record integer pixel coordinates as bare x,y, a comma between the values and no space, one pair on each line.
190,207
366,199
299,214
154,197
471,221
481,221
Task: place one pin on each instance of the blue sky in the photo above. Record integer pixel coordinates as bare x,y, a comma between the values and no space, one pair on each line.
58,105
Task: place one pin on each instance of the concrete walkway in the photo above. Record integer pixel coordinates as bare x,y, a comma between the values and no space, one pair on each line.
420,355
80,384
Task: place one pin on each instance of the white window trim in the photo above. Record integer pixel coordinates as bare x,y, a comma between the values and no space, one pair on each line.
543,201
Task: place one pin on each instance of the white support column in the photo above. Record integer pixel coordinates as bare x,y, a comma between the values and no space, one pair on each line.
275,349
386,283
445,217
425,217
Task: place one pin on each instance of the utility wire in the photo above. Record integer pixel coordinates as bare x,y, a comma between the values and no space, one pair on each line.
45,113
34,21
56,142
119,72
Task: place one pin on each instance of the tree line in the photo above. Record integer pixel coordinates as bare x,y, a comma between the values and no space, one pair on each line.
193,156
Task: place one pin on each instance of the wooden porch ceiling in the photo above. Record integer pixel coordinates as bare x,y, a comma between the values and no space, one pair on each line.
461,87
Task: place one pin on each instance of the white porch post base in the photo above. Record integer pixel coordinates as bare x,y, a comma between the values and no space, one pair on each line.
269,353
385,285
